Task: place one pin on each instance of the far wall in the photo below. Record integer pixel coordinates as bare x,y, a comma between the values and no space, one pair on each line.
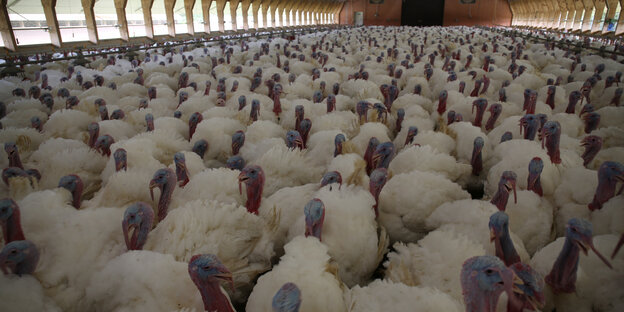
387,14
483,12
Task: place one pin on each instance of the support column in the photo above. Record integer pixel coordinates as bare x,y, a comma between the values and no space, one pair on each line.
8,38
87,7
289,9
522,13
265,10
233,8
169,4
588,5
206,14
554,14
188,10
49,8
245,7
515,12
578,23
146,6
255,7
281,7
303,12
221,14
563,8
600,5
620,27
545,14
273,9
339,8
120,9
314,13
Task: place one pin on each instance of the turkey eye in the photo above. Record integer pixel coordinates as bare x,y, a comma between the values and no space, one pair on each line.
14,251
489,271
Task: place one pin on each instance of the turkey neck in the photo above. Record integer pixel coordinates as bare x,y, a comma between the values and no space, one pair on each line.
479,117
213,297
537,186
552,148
476,161
505,249
550,100
604,192
254,197
15,161
590,152
277,106
562,277
489,125
165,198
12,228
500,198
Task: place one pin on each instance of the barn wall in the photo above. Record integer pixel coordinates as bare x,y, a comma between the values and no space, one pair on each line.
389,13
483,12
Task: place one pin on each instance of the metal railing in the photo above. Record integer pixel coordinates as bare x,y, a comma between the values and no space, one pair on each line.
209,38
550,37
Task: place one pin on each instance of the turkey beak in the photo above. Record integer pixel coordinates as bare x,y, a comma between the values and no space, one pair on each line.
152,185
181,165
130,234
585,142
537,301
299,142
511,185
521,123
617,247
586,243
226,276
375,158
532,180
242,178
6,265
118,165
493,235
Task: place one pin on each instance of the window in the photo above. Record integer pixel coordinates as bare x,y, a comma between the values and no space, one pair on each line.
28,22
71,20
159,18
591,17
214,19
239,16
603,17
179,17
134,15
106,19
250,19
227,16
260,19
269,18
571,20
198,17
613,22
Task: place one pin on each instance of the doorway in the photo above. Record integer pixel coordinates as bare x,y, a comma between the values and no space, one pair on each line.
422,12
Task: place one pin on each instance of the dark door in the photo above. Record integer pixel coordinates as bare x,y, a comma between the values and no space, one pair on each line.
422,12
